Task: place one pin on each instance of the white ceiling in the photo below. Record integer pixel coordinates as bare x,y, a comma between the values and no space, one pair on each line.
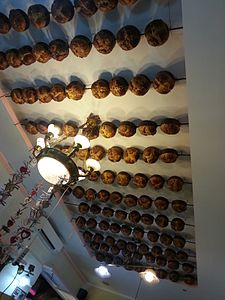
142,59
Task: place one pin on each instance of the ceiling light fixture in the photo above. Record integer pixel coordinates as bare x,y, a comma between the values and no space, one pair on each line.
24,281
149,276
102,272
56,166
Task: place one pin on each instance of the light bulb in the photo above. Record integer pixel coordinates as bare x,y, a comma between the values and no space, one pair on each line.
102,272
55,130
82,175
82,140
149,276
41,142
24,281
93,164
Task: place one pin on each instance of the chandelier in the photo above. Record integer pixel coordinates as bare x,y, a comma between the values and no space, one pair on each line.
56,166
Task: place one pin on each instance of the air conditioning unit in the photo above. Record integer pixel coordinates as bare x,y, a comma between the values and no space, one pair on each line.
49,237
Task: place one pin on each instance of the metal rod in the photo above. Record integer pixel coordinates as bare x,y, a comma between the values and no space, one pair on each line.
138,289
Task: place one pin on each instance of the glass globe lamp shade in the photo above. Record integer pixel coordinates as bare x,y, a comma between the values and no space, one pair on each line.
102,272
24,281
92,165
55,130
83,141
41,142
81,175
56,167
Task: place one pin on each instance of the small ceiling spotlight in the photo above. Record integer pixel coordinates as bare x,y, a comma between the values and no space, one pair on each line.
102,272
149,276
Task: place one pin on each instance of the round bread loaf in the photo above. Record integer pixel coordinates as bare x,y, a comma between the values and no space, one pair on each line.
170,253
143,249
127,129
110,241
100,89
115,250
86,8
103,196
58,92
104,41
95,209
131,155
147,219
104,248
97,152
78,192
75,90
19,20
13,58
189,279
173,264
134,216
170,126
83,208
138,233
115,228
161,203
140,180
139,85
5,25
174,276
157,33
70,129
26,55
59,49
87,236
156,182
91,223
108,129
145,202
162,221
3,61
93,176
80,222
116,198
82,154
90,194
123,178
115,154
150,258
98,238
161,261
44,94
161,274
118,261
42,127
17,96
128,37
107,212
121,244
42,52
99,256
121,215
31,127
108,177
39,15
175,183
182,256
62,11
29,95
156,251
130,200
168,155
179,205
118,86
80,46
177,224
179,241
106,5
131,247
126,230
163,82
188,268
153,236
150,155
147,128
166,239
